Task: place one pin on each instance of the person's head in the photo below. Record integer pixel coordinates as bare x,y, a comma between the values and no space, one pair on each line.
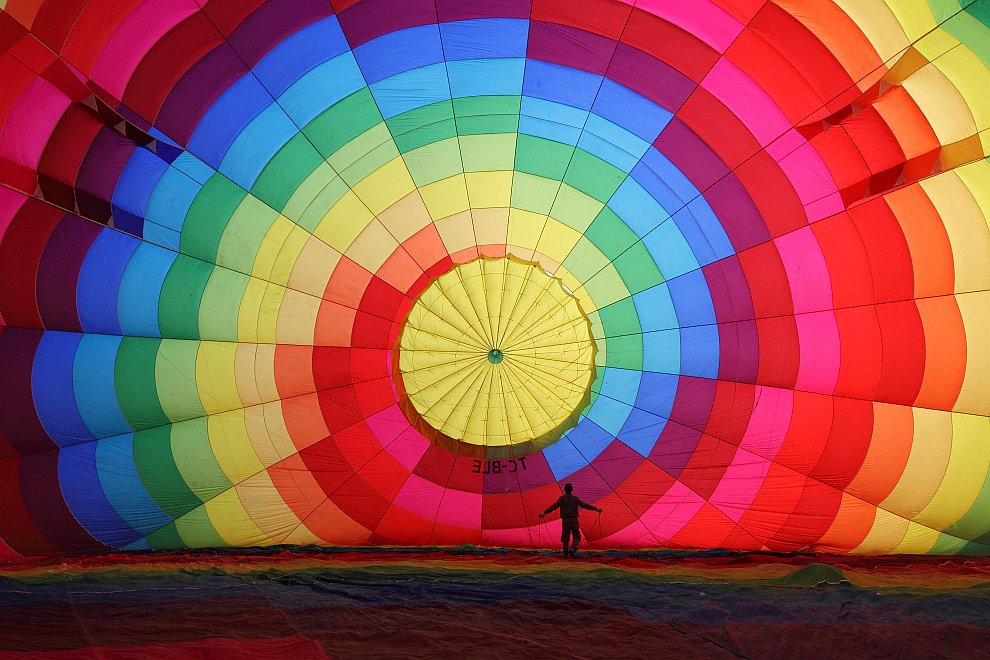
568,488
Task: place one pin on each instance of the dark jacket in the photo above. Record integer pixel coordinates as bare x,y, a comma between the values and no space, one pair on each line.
569,506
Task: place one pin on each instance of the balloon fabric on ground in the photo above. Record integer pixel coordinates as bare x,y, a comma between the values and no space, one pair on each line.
391,272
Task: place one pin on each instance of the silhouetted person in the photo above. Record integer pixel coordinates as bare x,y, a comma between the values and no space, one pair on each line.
569,504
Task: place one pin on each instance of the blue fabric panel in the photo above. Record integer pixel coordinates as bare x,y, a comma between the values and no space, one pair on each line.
707,246
138,181
158,135
484,37
412,89
549,130
655,309
140,288
699,351
94,386
256,145
669,250
641,431
83,493
656,186
637,208
621,384
551,111
656,393
304,50
618,136
321,88
562,84
673,179
692,300
631,111
99,281
606,151
609,414
123,487
589,439
223,122
193,167
51,385
662,351
563,458
399,51
170,203
486,77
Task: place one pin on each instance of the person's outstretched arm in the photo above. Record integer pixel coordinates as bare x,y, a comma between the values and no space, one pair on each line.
585,505
555,505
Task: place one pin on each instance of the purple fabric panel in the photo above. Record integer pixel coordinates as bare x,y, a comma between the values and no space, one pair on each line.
273,22
739,348
674,448
616,463
366,20
59,269
729,290
693,402
654,79
43,500
589,484
19,422
740,218
568,46
695,159
536,473
459,10
197,90
105,160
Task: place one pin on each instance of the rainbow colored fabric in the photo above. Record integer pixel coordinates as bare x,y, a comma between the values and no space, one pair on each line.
391,272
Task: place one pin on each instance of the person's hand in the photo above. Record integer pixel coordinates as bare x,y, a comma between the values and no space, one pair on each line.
541,515
599,510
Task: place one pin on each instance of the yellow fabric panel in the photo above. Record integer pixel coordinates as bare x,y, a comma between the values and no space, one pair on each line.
231,445
926,464
525,228
257,364
242,236
968,74
917,540
491,226
879,24
406,217
557,240
335,528
244,373
250,310
216,376
914,16
457,232
966,227
297,318
935,44
266,508
385,186
372,247
343,222
606,287
232,522
266,431
270,247
288,255
489,189
312,269
446,196
886,534
974,397
942,104
964,475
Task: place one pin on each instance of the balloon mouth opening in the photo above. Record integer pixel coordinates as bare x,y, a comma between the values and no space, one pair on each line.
495,356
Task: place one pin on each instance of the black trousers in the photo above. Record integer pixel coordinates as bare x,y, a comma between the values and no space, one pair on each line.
569,527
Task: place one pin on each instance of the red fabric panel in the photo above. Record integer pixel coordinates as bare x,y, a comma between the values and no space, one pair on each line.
20,253
670,44
903,345
708,463
719,127
808,432
890,257
731,411
861,347
772,193
780,351
848,442
604,17
847,261
16,525
768,281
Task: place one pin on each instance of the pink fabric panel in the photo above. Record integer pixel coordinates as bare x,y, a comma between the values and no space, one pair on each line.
35,116
769,422
701,18
740,483
460,509
807,274
670,513
420,497
747,101
818,336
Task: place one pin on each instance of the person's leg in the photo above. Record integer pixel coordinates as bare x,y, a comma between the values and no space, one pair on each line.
565,535
576,533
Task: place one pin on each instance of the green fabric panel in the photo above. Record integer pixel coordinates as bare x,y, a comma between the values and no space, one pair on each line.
533,193
620,318
471,106
286,171
488,153
195,461
974,521
327,197
221,304
542,157
596,385
429,134
947,545
637,269
971,31
625,352
308,191
421,117
434,162
244,234
166,538
159,474
490,124
610,234
175,373
182,292
134,382
593,176
208,216
197,531
343,121
980,10
574,208
584,260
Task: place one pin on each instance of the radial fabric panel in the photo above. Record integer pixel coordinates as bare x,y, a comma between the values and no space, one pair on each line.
757,229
